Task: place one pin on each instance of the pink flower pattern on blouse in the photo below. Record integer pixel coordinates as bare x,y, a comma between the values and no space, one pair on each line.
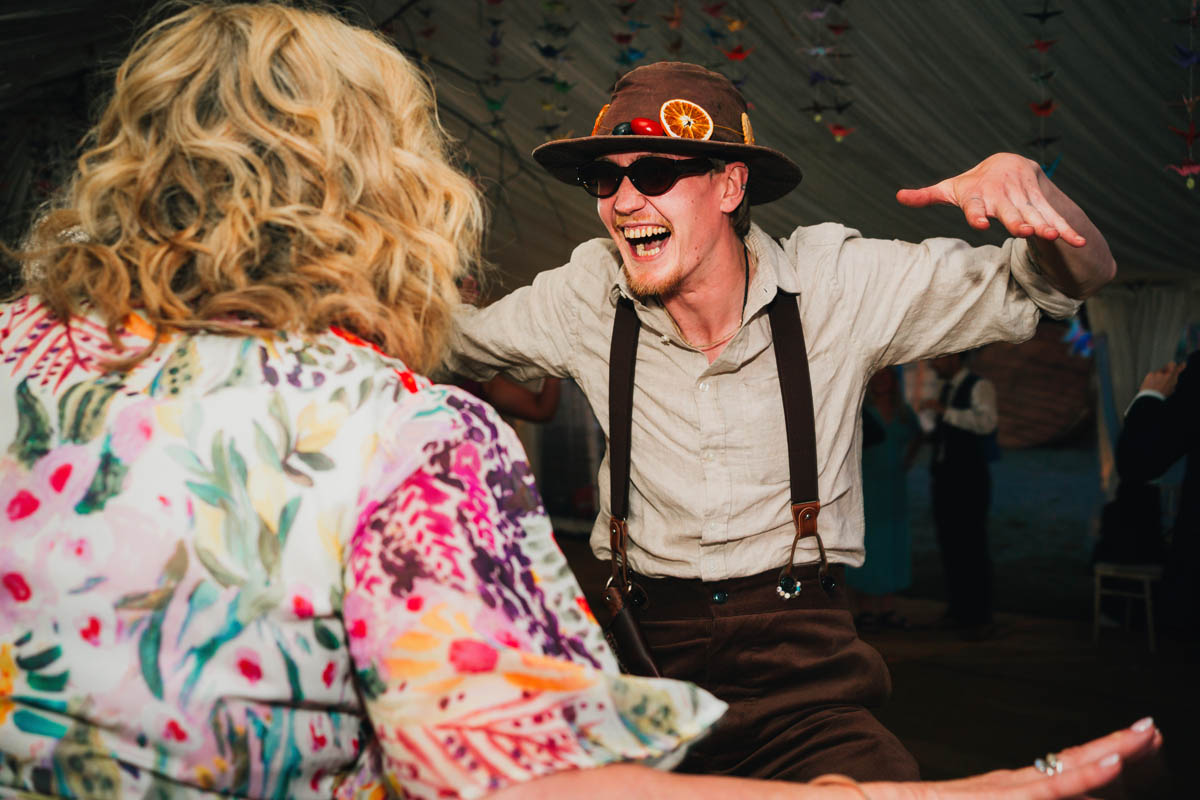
284,566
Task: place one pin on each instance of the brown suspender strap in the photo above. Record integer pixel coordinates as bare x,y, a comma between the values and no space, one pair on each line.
622,359
795,385
621,595
791,359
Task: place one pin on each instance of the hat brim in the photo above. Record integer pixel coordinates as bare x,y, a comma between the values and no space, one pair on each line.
772,174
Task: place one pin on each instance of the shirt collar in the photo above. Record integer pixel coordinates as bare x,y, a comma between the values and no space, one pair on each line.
772,273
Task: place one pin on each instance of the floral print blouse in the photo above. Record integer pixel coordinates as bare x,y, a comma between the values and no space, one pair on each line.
284,566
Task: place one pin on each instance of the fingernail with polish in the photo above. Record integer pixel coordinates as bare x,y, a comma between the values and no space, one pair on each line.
1143,724
1109,760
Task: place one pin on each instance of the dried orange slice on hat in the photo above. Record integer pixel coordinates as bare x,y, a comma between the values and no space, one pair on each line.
683,119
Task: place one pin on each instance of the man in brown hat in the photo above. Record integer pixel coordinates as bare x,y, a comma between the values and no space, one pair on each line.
735,495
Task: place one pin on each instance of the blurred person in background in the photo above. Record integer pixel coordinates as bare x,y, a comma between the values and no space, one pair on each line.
891,439
964,442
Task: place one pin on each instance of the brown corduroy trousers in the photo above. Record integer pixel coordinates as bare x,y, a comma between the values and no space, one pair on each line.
797,678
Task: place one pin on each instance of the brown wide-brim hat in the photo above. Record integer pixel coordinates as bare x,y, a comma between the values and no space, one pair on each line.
676,108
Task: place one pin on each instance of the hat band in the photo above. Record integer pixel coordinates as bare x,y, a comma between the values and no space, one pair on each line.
678,118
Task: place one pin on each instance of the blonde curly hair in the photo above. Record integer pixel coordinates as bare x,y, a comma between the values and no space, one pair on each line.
269,165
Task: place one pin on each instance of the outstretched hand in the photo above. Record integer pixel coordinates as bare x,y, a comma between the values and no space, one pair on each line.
1085,768
1006,187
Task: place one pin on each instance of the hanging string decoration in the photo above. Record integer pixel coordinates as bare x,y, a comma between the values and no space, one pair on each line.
556,32
726,26
674,22
628,53
493,99
1187,57
1042,74
826,52
739,52
413,29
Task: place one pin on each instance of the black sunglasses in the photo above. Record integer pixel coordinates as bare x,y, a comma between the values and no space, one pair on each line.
651,176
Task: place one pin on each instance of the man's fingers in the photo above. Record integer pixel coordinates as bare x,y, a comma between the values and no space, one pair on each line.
1064,229
976,212
1054,219
918,198
1040,226
942,192
1012,219
1032,214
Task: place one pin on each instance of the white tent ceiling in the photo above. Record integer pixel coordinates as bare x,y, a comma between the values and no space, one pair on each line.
935,86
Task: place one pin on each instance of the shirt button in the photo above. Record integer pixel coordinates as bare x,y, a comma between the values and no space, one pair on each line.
665,339
720,596
704,386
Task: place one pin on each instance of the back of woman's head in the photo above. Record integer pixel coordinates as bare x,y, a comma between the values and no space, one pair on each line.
264,164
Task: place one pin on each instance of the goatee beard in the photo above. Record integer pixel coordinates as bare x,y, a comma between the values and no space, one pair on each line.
643,290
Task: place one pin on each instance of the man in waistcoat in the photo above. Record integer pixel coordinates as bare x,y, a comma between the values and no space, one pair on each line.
964,442
738,570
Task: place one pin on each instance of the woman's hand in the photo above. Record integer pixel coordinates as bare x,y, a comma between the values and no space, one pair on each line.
1084,768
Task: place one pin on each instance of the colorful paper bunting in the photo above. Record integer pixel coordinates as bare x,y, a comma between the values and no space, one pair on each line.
839,131
1045,14
1042,75
1044,108
738,53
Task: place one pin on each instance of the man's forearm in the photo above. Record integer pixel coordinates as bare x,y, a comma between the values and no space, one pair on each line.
1075,271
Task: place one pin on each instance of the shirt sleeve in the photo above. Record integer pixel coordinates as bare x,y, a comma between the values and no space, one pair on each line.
981,417
479,662
909,302
533,331
1140,395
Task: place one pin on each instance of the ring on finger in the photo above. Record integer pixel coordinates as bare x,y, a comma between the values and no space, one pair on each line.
1052,764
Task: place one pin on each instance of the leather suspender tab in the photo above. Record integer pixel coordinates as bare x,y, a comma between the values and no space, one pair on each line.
618,534
804,517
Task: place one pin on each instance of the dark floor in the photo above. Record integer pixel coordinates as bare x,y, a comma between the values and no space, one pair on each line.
1040,684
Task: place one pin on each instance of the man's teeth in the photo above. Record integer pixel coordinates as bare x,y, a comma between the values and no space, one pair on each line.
644,232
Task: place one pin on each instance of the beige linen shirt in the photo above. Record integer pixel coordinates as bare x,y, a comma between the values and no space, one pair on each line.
709,494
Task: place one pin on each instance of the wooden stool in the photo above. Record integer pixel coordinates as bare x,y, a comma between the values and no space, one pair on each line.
1146,574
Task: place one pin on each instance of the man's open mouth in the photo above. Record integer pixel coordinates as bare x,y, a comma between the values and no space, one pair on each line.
646,240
